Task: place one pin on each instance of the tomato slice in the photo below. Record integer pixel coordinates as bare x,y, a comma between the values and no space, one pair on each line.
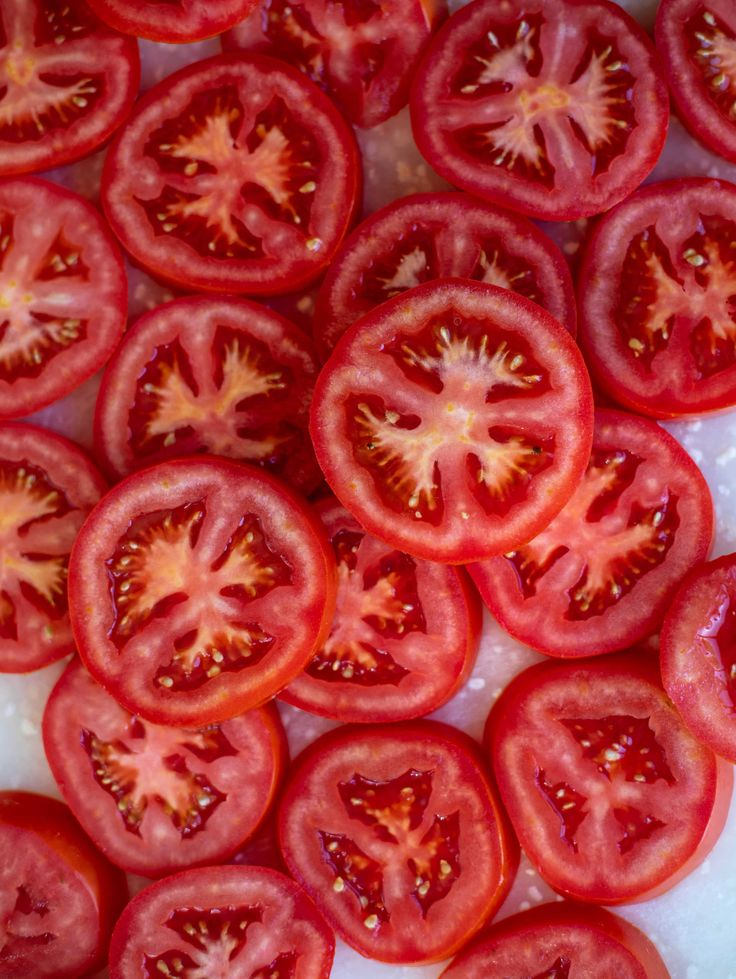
198,589
454,420
222,921
600,577
66,83
658,323
555,108
233,174
398,834
60,897
362,53
434,236
213,375
612,798
172,21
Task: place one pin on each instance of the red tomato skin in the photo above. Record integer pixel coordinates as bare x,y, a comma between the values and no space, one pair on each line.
196,23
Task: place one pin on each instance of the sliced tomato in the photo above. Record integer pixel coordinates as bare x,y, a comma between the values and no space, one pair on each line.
399,836
434,236
66,83
657,299
172,21
555,108
600,577
222,921
198,589
612,798
233,174
362,53
454,421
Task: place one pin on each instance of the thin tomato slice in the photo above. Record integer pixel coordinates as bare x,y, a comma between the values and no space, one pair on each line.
172,21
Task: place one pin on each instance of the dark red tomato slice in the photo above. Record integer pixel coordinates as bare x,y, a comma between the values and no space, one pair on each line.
63,294
47,488
172,21
404,637
198,589
233,174
398,834
658,322
66,83
435,236
222,921
363,52
555,108
612,798
600,577
217,375
454,421
59,897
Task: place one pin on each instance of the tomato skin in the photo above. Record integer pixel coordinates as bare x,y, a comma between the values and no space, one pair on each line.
199,19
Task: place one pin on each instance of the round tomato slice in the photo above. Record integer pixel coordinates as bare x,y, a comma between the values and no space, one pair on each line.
404,636
59,897
222,921
612,798
216,375
398,834
658,323
233,174
198,589
66,84
363,54
172,21
600,577
555,108
435,236
454,421
47,488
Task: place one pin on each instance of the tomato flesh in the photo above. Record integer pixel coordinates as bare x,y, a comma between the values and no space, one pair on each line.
172,21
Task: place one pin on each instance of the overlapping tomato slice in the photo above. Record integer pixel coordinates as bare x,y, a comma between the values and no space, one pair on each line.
172,21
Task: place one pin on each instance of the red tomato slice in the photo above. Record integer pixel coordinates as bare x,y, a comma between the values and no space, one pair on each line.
362,53
233,174
600,577
172,21
555,108
198,589
47,488
60,897
210,375
399,836
658,325
435,236
67,83
222,921
612,798
454,421
404,636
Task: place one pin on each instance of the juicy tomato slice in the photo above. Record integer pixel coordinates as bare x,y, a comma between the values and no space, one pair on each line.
397,832
404,636
555,108
454,421
198,589
600,577
59,896
363,54
66,83
217,375
47,488
233,174
63,294
172,21
158,799
434,236
222,921
658,323
612,798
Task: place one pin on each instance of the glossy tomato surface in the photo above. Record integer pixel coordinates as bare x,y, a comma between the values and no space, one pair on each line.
172,21
198,589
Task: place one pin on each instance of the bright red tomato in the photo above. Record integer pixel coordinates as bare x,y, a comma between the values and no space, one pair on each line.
172,21
198,589
398,834
600,577
233,174
612,798
555,108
